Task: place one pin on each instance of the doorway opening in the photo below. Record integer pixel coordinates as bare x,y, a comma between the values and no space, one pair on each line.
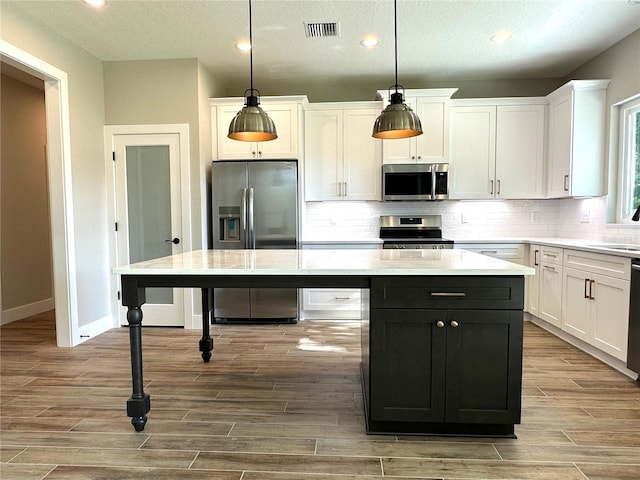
26,264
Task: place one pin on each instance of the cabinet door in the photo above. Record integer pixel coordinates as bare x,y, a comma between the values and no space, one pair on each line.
533,281
362,156
610,312
559,152
484,366
472,152
285,117
520,151
550,300
407,365
323,155
433,145
576,311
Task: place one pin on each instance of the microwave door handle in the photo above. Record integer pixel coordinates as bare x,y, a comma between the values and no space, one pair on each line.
433,182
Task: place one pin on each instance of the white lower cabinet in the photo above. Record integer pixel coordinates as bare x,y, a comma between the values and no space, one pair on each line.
333,303
550,300
532,282
595,308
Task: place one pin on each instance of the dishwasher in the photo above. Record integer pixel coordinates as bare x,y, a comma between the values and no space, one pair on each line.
633,351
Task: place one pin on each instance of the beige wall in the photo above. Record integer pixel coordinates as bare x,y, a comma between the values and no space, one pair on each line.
26,239
166,92
363,89
86,116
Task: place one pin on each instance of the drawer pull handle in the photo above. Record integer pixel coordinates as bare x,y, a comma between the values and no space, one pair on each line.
547,267
454,324
592,284
448,294
342,298
586,286
488,251
439,324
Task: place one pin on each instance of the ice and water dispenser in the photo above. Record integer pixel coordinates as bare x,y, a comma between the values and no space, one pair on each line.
229,218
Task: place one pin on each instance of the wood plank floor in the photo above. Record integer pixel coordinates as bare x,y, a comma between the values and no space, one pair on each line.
283,402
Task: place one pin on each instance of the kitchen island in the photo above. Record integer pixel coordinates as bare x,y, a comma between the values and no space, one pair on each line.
441,329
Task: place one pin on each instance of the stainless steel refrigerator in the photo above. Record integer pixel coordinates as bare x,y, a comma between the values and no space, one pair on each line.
255,205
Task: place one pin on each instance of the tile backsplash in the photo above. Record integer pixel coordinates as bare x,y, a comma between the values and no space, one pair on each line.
562,218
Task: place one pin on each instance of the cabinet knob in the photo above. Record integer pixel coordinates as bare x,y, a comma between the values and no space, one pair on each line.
454,324
439,324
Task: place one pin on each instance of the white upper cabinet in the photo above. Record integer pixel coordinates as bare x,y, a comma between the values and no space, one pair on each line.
575,157
432,107
285,113
342,160
497,148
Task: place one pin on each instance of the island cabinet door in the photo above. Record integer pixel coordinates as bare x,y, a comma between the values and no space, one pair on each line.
407,365
484,366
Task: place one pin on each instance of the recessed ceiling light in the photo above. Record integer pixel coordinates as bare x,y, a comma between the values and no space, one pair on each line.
244,46
501,36
95,3
369,42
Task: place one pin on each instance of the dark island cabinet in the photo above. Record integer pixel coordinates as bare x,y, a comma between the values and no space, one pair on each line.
453,369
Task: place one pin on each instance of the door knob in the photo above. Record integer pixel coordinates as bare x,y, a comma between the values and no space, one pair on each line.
175,241
439,324
454,324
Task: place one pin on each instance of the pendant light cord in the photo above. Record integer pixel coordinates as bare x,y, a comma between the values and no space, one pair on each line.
251,51
395,35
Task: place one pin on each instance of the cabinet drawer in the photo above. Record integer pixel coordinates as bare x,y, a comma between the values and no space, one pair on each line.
498,292
330,299
611,265
550,255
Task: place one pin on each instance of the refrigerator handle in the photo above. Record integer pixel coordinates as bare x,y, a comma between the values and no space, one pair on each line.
252,233
244,227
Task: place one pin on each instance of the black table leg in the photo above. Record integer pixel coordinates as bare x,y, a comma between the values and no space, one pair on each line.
206,342
139,403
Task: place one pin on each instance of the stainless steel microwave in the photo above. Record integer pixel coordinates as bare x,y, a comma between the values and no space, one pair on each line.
415,181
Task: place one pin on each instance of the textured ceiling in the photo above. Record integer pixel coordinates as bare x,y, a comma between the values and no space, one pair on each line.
437,39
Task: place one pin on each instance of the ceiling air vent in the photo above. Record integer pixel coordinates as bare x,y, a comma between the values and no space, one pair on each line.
322,29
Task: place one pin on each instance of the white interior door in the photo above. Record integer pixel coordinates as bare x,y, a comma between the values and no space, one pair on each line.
149,214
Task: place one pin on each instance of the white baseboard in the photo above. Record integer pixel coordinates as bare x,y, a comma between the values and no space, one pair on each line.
93,329
24,311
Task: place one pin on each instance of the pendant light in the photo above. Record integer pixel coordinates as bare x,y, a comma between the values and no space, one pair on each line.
252,124
397,120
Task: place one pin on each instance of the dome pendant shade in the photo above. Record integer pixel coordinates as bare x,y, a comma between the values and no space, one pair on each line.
252,124
397,121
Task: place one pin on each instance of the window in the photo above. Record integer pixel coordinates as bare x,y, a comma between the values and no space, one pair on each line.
629,187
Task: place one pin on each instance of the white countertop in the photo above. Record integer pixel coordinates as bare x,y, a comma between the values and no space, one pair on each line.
373,261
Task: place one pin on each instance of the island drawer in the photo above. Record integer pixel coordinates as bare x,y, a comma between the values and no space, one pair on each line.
461,292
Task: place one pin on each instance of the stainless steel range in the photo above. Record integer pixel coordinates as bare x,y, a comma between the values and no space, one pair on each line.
415,232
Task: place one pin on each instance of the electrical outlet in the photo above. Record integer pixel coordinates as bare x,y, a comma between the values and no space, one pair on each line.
535,217
464,218
585,216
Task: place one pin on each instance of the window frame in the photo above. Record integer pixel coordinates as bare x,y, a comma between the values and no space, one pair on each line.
627,158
